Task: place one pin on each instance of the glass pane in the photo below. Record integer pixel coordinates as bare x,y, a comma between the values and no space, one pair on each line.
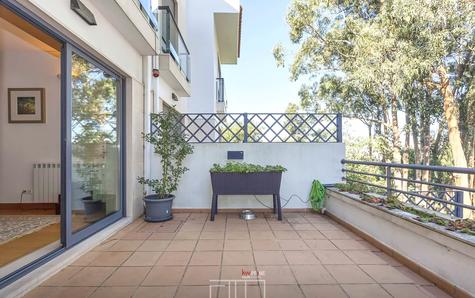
95,143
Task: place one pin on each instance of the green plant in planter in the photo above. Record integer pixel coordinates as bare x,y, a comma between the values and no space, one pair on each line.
170,144
317,195
238,167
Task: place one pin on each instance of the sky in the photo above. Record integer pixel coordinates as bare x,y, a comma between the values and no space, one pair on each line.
255,84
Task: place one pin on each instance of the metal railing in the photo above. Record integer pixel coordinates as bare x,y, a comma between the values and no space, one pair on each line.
258,127
404,182
172,42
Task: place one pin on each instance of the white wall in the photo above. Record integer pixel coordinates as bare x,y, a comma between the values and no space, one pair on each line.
304,163
25,66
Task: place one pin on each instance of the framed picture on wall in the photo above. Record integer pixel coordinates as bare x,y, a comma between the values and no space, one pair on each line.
26,105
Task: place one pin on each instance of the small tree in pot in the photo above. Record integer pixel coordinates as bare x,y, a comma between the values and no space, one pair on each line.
170,144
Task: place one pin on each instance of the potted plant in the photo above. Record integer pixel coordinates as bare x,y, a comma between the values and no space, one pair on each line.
170,144
246,179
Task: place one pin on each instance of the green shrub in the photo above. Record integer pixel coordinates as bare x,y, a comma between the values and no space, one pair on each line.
237,167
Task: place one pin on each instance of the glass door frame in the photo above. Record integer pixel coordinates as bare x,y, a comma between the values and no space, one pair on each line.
67,237
71,237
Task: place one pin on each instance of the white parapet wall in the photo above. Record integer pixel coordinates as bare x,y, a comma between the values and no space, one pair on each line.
304,162
449,258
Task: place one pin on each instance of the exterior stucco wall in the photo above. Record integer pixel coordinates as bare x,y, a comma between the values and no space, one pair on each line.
304,163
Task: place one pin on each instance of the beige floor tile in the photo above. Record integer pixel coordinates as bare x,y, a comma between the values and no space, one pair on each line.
389,260
106,245
269,258
241,235
265,244
262,235
155,292
154,245
337,235
143,258
243,244
364,257
127,276
194,292
62,277
187,235
312,275
239,291
276,275
200,275
385,274
302,257
404,291
282,291
206,258
86,259
323,291
212,235
433,291
182,245
325,227
210,244
348,274
60,292
111,258
304,227
162,236
90,276
311,235
320,244
276,226
286,235
126,245
238,258
164,276
416,278
238,272
365,291
258,227
136,235
349,244
293,245
113,292
174,258
335,257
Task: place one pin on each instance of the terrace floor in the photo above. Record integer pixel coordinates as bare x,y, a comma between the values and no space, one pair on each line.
305,255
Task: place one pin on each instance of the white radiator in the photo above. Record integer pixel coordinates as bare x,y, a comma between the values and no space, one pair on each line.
46,182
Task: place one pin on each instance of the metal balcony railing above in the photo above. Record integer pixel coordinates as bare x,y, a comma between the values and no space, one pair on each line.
437,192
172,42
258,127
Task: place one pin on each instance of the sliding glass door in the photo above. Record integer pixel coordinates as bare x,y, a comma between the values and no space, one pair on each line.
94,147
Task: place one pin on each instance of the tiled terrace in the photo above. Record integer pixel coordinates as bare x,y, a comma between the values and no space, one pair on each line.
305,255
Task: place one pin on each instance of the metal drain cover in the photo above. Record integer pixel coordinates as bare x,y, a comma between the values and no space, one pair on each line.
248,215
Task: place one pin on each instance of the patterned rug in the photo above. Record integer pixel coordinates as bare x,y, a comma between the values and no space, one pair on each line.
14,226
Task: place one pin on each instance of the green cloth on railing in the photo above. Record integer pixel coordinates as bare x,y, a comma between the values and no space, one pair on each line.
317,195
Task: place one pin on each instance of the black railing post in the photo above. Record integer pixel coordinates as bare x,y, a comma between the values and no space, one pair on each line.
339,128
459,199
388,182
246,133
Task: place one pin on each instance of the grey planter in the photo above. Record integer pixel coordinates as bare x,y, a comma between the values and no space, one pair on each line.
262,183
158,209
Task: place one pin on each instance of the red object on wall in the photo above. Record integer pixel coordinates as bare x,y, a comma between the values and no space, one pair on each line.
155,73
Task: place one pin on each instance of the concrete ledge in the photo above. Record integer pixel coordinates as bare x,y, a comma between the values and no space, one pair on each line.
33,279
442,259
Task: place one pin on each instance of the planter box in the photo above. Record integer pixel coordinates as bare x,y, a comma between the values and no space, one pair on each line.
264,183
444,257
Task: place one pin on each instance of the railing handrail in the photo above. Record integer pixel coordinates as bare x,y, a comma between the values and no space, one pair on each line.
176,25
412,166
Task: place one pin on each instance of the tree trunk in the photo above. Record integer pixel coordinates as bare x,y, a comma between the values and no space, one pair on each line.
415,140
426,141
405,154
370,144
452,117
396,140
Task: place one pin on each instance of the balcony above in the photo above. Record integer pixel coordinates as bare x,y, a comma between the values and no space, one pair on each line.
228,34
175,64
